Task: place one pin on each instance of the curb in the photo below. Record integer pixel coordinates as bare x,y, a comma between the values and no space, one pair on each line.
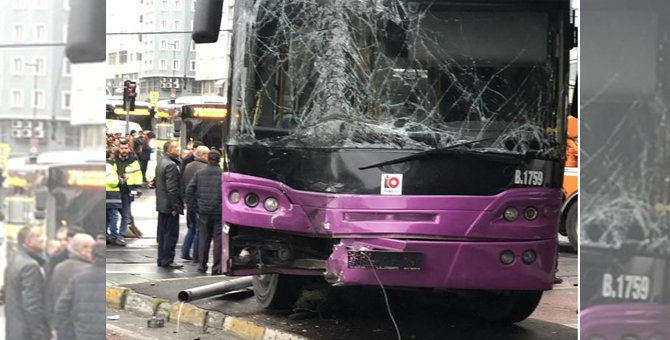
147,306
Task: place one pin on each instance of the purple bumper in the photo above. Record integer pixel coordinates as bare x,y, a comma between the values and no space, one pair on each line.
612,322
461,237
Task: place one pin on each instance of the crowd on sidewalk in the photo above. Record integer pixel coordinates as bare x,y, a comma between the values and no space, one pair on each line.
55,294
187,182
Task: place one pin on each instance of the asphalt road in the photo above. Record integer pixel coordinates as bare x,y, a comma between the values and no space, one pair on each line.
359,313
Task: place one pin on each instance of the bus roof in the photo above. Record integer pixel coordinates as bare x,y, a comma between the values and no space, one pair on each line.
191,100
119,103
70,157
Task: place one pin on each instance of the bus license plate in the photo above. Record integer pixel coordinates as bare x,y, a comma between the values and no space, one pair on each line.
385,260
626,287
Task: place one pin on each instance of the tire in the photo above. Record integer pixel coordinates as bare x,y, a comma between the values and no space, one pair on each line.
506,307
277,291
571,226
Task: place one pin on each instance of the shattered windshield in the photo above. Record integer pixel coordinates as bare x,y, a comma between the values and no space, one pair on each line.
395,74
625,182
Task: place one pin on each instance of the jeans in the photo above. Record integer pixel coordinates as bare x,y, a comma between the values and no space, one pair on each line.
112,224
125,216
168,235
193,233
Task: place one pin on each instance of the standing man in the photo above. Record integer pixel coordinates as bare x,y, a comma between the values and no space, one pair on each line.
185,160
81,306
25,313
130,183
144,152
112,196
205,189
64,235
192,236
169,205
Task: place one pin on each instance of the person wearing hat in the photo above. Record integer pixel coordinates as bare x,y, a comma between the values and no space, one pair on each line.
205,189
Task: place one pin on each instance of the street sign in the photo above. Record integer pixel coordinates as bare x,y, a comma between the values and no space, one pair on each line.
153,97
34,143
173,93
4,158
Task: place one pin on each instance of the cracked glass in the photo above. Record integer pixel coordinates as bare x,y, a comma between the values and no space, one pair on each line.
397,75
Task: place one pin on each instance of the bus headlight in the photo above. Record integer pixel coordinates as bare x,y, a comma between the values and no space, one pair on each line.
528,256
271,204
629,337
234,197
511,214
251,200
530,213
507,257
657,336
596,337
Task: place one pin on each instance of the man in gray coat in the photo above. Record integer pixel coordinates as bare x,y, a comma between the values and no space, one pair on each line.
169,205
192,236
80,258
25,313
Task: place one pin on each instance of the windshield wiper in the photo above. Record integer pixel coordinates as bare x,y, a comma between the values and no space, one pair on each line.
422,154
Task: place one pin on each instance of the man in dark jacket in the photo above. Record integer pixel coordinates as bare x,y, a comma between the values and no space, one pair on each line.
192,236
169,205
205,189
144,153
80,259
25,313
82,303
190,157
64,235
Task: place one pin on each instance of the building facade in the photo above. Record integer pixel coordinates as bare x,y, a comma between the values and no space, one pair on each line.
35,82
168,59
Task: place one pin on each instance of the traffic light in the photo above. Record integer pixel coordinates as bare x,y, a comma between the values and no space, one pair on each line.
129,94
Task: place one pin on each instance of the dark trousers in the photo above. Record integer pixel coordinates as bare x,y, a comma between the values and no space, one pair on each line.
168,235
143,168
210,227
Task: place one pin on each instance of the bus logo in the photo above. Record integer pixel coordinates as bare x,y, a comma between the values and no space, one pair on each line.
391,184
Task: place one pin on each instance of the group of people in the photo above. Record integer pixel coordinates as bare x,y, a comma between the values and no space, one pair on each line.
57,295
192,181
141,146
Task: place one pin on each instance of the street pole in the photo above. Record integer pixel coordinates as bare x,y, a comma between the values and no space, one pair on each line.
127,108
33,141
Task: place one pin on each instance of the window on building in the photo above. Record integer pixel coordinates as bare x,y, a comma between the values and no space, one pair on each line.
177,5
67,67
164,45
38,99
196,87
231,13
176,45
19,32
111,58
164,25
40,32
139,56
16,98
164,5
151,64
193,6
66,100
177,25
39,66
72,135
192,65
123,57
176,64
162,64
41,4
66,5
192,45
19,4
17,65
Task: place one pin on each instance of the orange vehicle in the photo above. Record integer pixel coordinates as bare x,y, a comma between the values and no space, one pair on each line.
570,184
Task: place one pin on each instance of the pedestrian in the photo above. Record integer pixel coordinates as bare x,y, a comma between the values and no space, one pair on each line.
80,258
169,205
63,235
144,154
80,306
205,189
113,197
187,155
130,184
192,236
25,313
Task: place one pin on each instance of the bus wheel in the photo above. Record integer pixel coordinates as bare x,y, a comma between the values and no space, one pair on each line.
505,306
277,291
571,226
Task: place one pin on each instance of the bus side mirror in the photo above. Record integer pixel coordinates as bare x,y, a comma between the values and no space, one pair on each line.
86,32
176,128
41,204
207,21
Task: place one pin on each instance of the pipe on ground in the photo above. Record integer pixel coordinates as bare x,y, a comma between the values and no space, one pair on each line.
214,289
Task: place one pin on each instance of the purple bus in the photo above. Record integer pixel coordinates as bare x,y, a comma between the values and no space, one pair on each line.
625,188
409,144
